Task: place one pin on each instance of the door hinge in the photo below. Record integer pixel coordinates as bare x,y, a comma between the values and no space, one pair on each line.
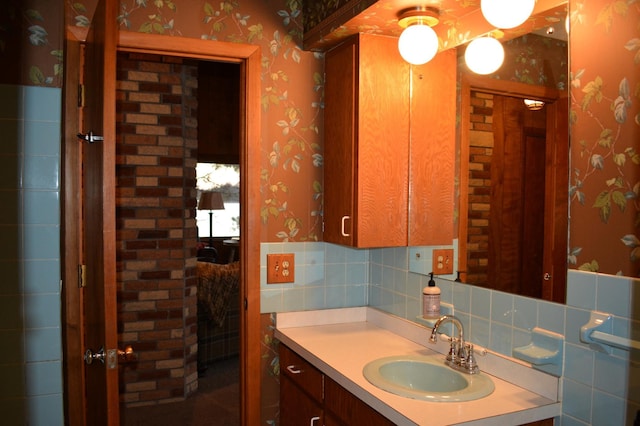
80,95
246,304
82,276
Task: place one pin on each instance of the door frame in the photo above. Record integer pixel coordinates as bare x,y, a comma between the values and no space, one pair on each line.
556,192
248,57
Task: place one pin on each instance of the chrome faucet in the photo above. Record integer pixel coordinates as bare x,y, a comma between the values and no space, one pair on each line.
460,356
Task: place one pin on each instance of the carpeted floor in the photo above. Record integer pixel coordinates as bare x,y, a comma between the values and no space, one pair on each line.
216,403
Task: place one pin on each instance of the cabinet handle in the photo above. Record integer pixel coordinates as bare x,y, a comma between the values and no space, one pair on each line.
293,369
344,219
313,420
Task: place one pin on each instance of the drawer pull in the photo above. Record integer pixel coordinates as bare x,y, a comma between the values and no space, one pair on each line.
293,369
342,231
313,421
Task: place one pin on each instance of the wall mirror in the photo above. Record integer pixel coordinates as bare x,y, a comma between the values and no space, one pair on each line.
513,169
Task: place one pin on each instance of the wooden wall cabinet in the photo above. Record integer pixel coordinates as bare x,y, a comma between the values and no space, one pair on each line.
389,146
308,397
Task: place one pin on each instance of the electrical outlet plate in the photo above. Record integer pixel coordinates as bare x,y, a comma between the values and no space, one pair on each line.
443,262
280,268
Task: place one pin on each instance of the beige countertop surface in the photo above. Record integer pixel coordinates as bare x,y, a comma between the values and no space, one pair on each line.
340,342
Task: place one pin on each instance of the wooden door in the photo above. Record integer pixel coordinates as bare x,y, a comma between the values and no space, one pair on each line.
527,241
517,197
98,217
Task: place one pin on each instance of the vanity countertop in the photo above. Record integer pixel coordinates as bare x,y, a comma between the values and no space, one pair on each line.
340,342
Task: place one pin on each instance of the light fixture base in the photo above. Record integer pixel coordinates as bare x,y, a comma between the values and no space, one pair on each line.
419,15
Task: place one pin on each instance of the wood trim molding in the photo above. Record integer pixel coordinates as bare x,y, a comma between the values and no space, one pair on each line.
185,47
509,88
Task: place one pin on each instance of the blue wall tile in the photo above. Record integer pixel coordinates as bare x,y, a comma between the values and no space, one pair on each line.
501,321
30,303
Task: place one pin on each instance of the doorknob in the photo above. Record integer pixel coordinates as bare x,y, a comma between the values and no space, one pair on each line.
111,356
126,355
90,356
547,276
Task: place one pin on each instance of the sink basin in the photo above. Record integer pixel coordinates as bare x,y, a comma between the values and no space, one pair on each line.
422,377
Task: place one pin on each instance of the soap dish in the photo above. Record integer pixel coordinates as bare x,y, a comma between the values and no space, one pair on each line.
544,352
445,309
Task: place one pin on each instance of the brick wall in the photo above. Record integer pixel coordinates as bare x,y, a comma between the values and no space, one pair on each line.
156,227
480,150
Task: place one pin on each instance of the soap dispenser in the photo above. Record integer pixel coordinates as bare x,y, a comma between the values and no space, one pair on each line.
431,300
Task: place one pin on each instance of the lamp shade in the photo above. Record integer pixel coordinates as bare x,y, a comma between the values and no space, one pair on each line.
484,55
418,44
211,200
505,14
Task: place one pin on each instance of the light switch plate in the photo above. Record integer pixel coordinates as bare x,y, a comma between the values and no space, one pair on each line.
280,268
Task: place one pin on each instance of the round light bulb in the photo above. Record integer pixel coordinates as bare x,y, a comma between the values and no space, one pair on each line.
418,44
506,14
484,55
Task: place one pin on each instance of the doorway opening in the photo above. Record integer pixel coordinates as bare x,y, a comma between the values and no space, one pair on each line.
179,309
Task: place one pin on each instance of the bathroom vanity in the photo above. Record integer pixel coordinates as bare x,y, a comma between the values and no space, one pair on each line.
323,354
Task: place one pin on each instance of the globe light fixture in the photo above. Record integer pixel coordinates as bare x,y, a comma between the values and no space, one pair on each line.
506,14
418,43
484,55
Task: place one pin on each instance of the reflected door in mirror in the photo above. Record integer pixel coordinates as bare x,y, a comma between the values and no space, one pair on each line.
517,169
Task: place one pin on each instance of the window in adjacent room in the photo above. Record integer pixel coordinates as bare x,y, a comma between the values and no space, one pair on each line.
223,178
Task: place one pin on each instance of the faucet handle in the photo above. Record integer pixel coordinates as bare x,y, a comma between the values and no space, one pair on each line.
471,364
452,356
462,353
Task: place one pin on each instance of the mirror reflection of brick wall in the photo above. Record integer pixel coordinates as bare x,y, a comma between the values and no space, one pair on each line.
480,150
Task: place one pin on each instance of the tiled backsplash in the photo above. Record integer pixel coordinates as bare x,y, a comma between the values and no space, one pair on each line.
31,368
326,276
598,388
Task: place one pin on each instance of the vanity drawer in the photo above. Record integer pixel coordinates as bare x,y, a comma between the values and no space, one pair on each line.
300,372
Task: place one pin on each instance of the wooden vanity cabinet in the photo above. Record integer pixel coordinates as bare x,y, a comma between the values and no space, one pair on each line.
389,145
308,397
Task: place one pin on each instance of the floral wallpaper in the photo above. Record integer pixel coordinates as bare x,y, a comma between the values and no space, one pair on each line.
31,40
605,135
291,172
604,87
537,60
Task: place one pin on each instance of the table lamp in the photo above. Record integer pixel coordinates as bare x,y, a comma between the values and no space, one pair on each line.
211,200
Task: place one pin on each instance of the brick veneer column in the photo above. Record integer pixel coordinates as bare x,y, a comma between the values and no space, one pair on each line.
480,151
156,228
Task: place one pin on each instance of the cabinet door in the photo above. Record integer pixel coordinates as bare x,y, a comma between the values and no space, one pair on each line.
339,141
343,408
432,148
366,143
296,407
